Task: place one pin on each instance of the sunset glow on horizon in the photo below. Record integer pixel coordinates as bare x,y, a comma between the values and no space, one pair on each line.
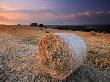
55,11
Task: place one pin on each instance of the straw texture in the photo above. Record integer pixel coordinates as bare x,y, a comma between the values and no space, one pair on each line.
61,53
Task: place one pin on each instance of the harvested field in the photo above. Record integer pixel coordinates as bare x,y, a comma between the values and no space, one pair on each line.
19,61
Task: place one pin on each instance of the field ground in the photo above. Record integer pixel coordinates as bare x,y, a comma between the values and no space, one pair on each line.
19,63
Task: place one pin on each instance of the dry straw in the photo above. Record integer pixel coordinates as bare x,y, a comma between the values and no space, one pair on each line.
61,53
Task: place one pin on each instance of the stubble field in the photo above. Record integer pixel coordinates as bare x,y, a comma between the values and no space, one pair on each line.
19,56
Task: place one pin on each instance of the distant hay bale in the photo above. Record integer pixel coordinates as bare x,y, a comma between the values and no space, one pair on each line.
61,54
93,33
104,32
47,31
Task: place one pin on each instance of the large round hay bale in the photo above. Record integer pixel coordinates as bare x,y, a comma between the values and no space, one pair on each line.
61,53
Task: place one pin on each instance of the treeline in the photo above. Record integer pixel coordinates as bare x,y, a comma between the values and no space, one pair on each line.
87,28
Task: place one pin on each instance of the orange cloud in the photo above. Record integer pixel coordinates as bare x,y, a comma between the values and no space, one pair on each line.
40,15
86,13
76,15
18,15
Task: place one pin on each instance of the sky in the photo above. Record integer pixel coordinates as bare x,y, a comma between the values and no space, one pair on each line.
57,12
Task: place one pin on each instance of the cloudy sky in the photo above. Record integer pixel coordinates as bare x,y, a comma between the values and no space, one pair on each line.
55,11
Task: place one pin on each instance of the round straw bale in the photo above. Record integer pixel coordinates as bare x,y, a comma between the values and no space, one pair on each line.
61,53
